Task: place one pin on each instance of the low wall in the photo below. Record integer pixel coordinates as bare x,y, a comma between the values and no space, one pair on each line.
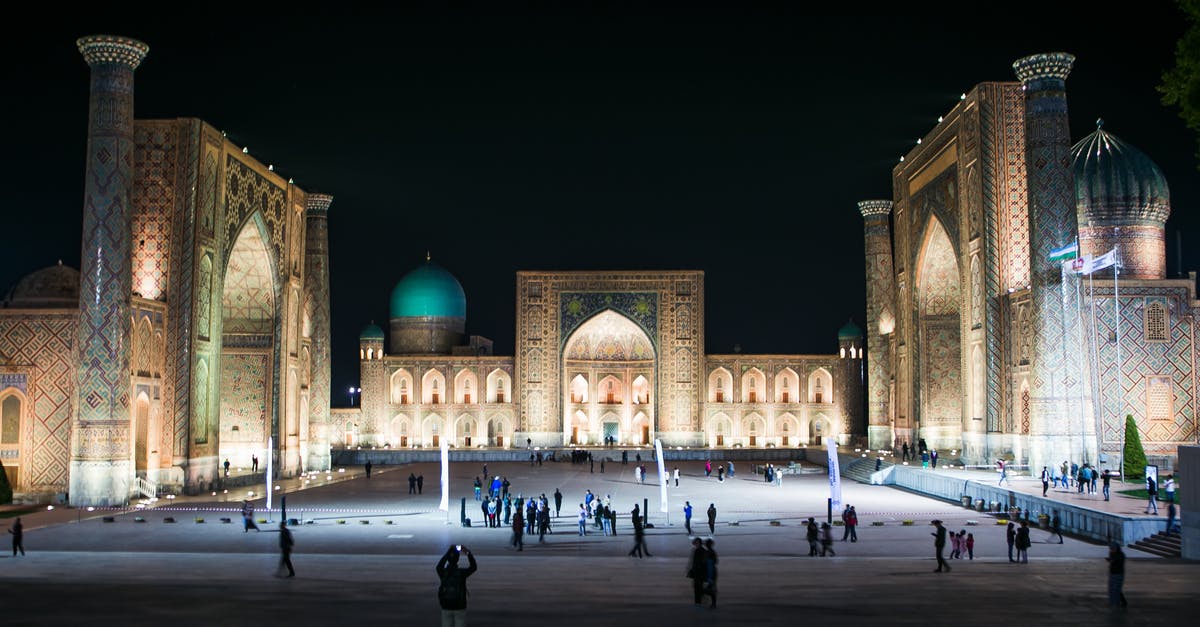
1188,478
1076,520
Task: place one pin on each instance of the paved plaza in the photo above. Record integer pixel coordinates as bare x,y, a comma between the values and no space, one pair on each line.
376,567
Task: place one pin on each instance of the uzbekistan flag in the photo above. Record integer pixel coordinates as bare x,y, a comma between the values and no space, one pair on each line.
1070,251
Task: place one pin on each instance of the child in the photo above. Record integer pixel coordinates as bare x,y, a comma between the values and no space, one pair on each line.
970,546
954,545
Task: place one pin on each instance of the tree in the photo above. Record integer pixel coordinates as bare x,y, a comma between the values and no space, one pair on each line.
1135,455
1181,84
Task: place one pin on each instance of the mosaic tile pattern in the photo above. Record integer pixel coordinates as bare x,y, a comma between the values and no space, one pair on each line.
153,206
43,341
245,404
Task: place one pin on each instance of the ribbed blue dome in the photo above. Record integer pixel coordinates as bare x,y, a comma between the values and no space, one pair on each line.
371,332
1117,184
429,291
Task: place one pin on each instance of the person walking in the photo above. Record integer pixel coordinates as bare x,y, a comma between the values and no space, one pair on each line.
478,489
933,458
18,534
852,524
845,523
904,451
254,463
557,502
583,515
1023,542
712,518
827,540
368,468
1152,493
452,586
285,550
677,476
420,483
710,585
1116,576
729,472
698,570
687,516
1105,478
1010,535
248,517
970,546
1045,480
639,536
226,464
1170,518
1169,488
939,545
708,468
1055,529
813,535
543,516
412,483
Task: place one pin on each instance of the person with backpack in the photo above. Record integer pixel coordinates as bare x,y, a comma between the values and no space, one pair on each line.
452,589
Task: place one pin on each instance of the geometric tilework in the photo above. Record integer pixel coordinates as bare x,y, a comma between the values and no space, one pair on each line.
609,337
153,207
244,403
42,341
248,192
248,297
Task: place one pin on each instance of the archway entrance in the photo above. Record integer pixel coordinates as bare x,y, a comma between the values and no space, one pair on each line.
820,429
939,296
612,350
248,326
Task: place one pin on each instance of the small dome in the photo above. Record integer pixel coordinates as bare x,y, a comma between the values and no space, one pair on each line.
1117,184
371,332
55,287
428,291
849,331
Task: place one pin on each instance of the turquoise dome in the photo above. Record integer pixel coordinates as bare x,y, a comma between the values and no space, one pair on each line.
849,331
429,291
1117,184
371,332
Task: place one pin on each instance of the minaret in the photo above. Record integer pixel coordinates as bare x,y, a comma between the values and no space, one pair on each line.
1056,368
373,394
316,285
881,320
101,450
850,356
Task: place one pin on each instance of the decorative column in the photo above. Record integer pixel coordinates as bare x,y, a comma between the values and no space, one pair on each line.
1056,367
373,396
101,451
316,286
881,320
850,354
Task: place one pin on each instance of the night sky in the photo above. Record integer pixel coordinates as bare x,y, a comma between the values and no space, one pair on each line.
728,140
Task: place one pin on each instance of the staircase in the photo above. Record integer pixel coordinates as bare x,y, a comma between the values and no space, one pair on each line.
861,469
1160,544
145,488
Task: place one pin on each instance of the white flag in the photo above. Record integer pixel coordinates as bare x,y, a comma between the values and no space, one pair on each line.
1099,263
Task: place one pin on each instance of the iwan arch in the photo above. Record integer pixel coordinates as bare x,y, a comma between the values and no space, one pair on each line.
600,356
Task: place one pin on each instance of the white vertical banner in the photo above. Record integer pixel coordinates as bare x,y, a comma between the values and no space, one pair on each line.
270,447
445,504
662,475
835,475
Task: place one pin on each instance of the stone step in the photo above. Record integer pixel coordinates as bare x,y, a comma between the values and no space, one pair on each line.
1160,544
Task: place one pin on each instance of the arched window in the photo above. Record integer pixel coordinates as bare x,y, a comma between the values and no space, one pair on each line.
467,391
1155,321
10,420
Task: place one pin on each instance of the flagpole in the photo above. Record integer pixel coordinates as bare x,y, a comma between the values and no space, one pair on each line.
1062,315
1120,369
1082,387
1098,401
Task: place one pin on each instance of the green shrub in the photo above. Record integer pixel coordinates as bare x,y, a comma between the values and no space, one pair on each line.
1135,454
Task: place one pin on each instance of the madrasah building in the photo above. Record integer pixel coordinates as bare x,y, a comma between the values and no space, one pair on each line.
198,330
614,356
980,337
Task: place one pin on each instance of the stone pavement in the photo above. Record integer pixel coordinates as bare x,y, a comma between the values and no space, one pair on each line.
214,573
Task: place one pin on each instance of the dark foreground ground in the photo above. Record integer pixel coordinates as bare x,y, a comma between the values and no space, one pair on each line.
85,571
